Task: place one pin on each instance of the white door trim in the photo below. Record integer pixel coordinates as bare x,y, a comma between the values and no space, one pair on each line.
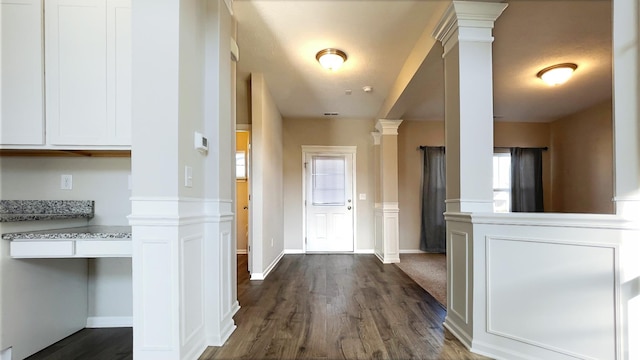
328,150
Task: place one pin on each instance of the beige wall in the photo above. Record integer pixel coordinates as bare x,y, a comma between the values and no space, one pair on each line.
521,134
104,180
413,134
266,172
328,132
582,157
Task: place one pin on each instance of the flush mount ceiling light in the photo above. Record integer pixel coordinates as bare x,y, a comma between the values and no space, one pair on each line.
557,74
331,59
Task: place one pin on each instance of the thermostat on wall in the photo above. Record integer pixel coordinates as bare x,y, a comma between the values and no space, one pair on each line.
201,143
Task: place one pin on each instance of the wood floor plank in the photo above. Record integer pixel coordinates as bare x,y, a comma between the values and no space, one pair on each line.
338,307
320,307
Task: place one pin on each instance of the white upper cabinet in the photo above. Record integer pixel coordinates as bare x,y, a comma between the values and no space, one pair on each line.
88,72
21,96
119,71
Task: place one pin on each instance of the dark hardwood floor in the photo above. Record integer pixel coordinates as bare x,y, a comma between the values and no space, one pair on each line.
337,307
311,307
98,344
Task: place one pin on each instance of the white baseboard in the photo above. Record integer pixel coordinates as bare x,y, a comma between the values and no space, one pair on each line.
109,321
293,251
363,251
5,354
412,251
263,275
241,251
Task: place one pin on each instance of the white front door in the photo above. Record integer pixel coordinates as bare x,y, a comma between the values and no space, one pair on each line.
329,205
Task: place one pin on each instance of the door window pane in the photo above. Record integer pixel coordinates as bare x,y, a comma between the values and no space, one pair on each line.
241,165
328,180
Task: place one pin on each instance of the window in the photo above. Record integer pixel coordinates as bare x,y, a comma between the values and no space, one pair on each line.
241,165
328,180
502,182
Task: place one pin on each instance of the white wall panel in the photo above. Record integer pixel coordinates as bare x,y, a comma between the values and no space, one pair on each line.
156,305
556,295
192,286
459,275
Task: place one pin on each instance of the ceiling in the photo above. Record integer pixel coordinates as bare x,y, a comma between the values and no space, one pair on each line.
280,38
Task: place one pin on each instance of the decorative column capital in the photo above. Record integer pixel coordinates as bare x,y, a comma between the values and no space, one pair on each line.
467,20
388,127
376,137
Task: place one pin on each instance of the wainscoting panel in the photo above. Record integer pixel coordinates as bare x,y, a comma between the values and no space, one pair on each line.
458,259
155,254
227,270
192,286
377,242
556,295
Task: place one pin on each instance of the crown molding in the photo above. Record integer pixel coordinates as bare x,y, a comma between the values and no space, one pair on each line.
468,14
376,137
388,127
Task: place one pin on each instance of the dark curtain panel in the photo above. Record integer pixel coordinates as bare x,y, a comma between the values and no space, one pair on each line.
526,180
433,227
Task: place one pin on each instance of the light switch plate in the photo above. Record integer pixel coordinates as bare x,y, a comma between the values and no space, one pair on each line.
188,176
362,196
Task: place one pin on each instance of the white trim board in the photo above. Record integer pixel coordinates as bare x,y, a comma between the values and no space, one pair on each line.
263,275
412,251
94,322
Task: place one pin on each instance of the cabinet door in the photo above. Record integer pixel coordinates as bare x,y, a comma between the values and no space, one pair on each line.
21,103
88,62
119,71
76,76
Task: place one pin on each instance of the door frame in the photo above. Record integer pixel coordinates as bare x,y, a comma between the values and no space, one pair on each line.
329,150
247,128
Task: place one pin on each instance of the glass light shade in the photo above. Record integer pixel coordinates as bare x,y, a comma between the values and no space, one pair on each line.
331,59
557,74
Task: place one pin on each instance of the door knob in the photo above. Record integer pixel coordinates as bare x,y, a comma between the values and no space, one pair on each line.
246,207
348,207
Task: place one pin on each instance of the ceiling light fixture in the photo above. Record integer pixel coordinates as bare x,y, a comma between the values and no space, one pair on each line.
331,59
557,74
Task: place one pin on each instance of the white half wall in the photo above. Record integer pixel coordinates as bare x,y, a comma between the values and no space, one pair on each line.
544,286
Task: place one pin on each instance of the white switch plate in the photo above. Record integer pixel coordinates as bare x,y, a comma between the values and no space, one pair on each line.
66,182
188,176
362,196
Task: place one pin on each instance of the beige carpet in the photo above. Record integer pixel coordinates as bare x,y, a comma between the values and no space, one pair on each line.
429,271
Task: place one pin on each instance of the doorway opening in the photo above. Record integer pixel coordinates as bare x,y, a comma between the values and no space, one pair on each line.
243,147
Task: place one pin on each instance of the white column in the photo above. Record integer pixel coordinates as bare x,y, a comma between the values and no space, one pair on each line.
626,112
378,248
387,212
465,32
626,132
219,175
183,245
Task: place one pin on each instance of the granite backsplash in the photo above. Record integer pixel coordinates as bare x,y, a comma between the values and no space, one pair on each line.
29,210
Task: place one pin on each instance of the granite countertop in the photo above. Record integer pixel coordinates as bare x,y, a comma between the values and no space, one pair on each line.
29,210
75,233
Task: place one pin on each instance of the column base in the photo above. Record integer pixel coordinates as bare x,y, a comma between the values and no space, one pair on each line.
387,233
